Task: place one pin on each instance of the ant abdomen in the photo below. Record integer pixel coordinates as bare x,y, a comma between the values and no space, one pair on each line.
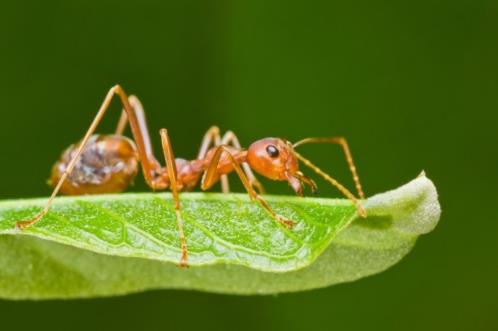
108,164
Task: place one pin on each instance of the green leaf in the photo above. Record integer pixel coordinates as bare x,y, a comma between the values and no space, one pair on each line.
115,244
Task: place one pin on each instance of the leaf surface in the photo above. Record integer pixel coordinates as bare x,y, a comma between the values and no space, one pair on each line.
115,244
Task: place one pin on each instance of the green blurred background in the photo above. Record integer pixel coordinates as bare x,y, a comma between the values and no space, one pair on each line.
412,84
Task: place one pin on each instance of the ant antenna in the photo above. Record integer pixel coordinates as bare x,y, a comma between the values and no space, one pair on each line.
339,186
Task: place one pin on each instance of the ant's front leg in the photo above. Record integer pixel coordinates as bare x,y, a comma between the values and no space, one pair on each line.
212,137
230,138
210,176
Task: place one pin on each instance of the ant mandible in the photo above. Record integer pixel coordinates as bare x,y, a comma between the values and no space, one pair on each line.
109,163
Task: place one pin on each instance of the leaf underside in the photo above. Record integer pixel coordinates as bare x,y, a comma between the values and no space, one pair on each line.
116,244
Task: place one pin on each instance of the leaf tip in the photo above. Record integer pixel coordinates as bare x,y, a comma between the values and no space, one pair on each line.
415,206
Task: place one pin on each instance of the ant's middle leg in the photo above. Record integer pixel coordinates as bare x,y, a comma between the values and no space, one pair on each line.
171,169
210,176
213,137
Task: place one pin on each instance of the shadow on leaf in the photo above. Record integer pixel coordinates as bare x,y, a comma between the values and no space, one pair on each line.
375,222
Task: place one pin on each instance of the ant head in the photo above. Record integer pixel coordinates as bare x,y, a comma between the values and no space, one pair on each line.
274,158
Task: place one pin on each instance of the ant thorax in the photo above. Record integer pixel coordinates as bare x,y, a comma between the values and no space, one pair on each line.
108,164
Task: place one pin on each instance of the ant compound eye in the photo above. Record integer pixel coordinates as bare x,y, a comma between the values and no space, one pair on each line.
272,151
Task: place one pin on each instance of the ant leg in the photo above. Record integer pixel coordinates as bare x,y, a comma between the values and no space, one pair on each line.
229,138
141,121
349,158
150,166
210,175
171,168
123,120
335,183
211,136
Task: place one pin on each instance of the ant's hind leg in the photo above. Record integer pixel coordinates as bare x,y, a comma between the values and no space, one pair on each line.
72,163
171,168
210,176
141,121
136,118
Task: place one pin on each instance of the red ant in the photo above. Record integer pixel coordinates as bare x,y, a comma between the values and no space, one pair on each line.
109,163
